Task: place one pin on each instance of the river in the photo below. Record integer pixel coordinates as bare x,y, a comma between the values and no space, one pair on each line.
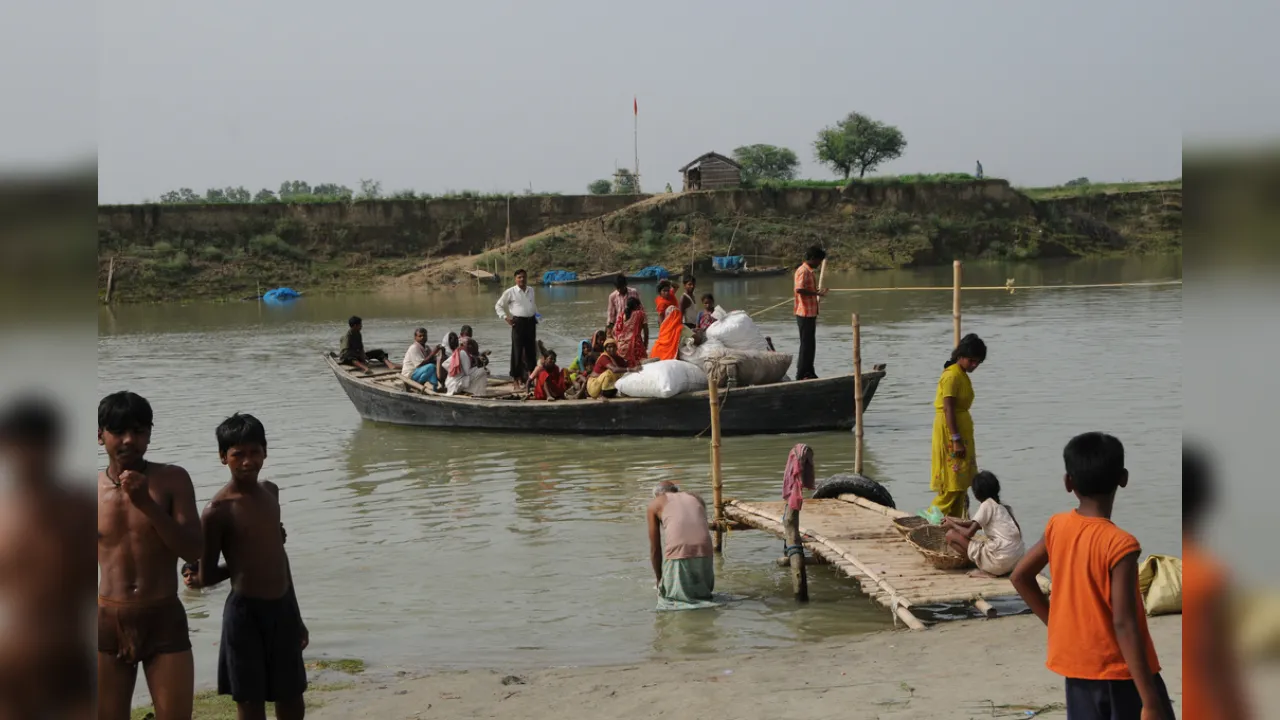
444,549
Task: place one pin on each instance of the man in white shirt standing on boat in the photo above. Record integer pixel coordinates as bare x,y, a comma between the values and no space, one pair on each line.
517,308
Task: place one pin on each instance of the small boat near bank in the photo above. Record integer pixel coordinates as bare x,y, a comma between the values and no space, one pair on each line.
786,407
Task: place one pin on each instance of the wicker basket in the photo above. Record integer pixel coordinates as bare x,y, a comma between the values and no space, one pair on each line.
908,523
931,542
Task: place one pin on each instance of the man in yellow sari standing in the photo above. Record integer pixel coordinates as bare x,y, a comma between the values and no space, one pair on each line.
955,459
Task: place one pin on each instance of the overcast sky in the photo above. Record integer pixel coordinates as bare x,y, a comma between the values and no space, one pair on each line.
497,96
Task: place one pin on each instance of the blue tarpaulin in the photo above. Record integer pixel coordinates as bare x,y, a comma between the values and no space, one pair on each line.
280,295
728,262
656,272
555,276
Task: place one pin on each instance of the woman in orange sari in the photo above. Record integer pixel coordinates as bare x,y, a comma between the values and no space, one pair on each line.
668,344
631,330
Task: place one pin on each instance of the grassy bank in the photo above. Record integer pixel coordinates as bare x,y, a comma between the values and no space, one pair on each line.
871,224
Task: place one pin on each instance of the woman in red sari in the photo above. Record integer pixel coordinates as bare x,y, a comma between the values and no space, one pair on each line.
668,344
632,332
548,379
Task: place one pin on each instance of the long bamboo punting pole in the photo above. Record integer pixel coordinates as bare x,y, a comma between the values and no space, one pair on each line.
717,496
857,394
795,553
111,277
957,271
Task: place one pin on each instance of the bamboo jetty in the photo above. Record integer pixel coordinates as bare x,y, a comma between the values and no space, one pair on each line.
855,535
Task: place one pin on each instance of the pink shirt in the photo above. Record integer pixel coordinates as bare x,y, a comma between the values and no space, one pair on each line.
618,303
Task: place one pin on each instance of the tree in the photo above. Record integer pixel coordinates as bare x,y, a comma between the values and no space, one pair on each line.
369,190
766,162
600,187
237,194
293,188
1078,182
215,195
858,143
333,191
265,196
624,183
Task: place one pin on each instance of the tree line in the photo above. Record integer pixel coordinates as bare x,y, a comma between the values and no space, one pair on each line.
854,144
290,191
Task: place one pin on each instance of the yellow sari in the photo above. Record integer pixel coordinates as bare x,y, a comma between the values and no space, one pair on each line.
952,476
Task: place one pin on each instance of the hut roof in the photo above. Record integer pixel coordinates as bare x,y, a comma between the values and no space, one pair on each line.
706,156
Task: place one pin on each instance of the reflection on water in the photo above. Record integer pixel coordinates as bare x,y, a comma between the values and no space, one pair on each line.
448,548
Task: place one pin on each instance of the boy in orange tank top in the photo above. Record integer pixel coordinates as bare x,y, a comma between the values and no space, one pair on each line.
1098,638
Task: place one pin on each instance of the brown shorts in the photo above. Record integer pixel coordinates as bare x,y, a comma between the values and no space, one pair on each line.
137,632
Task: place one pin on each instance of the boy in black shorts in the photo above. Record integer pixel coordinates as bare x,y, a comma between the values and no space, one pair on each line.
263,636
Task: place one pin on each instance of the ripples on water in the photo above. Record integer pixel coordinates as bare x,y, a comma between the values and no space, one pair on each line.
440,548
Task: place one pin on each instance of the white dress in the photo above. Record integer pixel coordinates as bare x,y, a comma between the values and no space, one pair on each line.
1002,548
473,380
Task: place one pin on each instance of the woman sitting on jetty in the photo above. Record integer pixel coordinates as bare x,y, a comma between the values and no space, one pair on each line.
1002,548
608,368
955,460
632,333
465,375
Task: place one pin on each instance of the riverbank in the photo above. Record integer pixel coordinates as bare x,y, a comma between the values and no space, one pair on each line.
230,252
969,669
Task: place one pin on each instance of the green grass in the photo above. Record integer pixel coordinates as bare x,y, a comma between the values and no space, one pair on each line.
1067,191
350,666
209,705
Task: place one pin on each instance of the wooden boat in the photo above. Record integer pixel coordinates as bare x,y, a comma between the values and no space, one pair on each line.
601,279
788,407
748,272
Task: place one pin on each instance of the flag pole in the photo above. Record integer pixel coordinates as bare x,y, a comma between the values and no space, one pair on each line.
635,139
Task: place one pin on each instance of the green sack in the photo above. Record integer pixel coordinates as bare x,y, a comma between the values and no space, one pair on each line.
932,514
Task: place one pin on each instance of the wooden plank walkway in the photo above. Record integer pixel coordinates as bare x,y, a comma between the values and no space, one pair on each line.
858,537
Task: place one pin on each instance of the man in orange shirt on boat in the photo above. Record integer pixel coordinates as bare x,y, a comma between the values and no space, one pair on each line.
806,309
1098,638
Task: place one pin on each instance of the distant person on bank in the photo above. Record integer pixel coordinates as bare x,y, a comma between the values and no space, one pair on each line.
806,310
517,308
680,548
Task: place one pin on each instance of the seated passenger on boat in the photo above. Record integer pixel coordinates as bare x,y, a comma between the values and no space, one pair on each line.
548,380
351,350
481,358
632,333
680,548
608,368
419,362
465,375
710,312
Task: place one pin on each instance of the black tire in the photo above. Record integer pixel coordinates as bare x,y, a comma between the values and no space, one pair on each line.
850,484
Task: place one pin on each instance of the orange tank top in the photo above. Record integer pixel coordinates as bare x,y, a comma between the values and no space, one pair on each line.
685,533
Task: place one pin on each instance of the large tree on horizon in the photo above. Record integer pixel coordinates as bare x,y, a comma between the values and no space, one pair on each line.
766,162
858,143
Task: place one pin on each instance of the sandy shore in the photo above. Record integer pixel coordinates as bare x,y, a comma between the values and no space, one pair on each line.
971,669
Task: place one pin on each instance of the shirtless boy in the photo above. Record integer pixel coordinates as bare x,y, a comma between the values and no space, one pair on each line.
147,519
263,636
46,667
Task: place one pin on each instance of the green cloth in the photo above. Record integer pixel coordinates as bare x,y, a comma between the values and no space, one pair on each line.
687,584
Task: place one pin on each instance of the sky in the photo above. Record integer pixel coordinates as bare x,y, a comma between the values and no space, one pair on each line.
504,96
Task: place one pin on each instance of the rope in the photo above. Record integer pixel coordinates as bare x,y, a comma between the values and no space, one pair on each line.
1008,287
794,550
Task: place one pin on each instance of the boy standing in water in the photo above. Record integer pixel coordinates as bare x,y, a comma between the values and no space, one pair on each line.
1098,637
263,636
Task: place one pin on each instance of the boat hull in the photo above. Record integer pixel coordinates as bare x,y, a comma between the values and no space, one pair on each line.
791,407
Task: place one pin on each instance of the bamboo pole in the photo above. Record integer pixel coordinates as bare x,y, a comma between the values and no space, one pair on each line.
795,553
957,272
857,395
984,607
111,277
717,498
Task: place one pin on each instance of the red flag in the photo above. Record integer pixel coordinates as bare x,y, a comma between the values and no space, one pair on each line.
635,106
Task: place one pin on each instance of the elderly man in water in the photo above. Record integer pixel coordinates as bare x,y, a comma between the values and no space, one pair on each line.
680,547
